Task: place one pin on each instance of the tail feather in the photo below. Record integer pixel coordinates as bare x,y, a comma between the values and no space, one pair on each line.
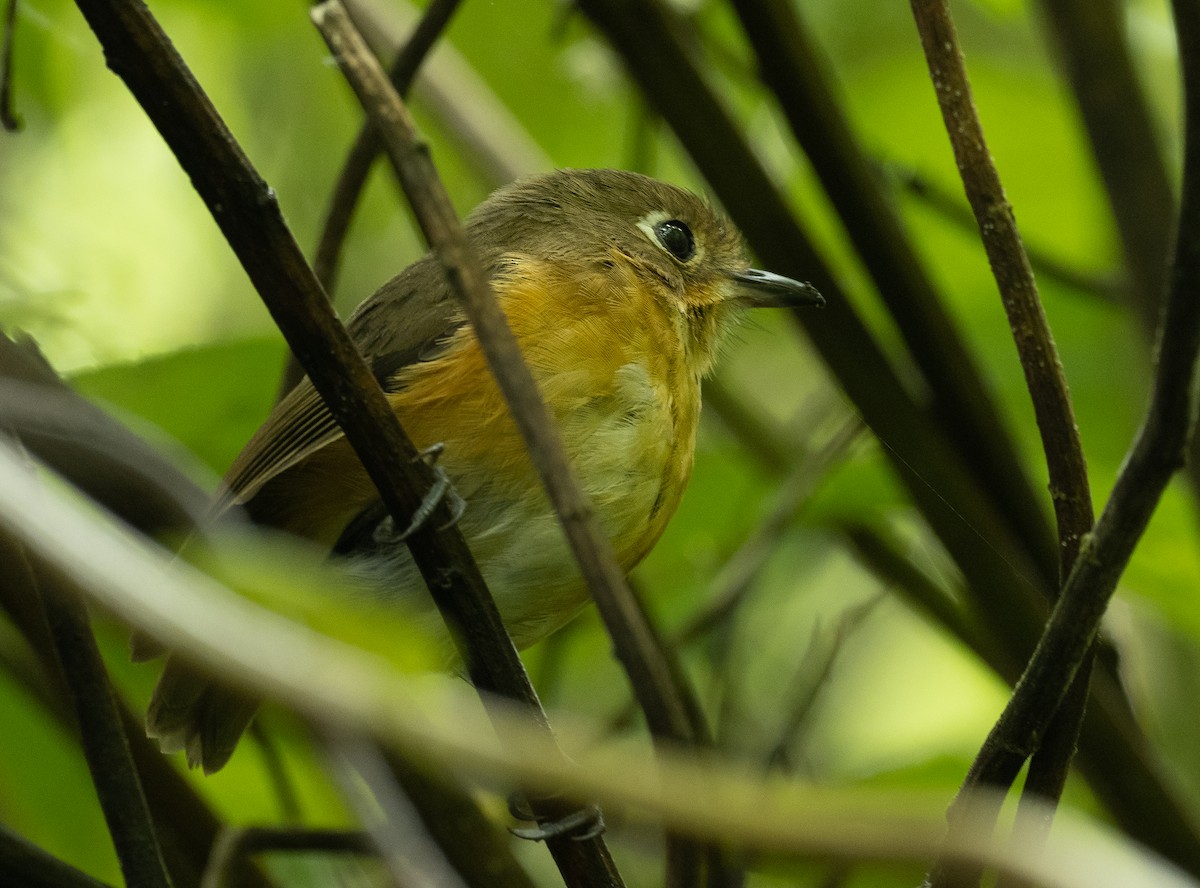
188,712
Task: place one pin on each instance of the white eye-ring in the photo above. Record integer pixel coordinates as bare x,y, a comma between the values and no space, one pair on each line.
670,234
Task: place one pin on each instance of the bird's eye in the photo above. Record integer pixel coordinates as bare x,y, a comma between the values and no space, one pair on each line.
676,238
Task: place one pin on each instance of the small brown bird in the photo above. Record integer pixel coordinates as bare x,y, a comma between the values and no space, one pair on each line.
619,289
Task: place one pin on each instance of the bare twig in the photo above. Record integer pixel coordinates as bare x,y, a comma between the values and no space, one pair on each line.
367,144
492,140
1044,377
1157,452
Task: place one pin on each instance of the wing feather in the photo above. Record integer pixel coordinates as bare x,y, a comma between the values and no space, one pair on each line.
301,425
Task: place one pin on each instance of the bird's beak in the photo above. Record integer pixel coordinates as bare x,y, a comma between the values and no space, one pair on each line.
762,289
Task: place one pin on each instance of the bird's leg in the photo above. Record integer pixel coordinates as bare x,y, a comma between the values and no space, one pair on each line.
581,825
441,489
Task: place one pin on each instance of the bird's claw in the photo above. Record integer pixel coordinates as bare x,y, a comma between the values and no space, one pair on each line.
442,489
581,825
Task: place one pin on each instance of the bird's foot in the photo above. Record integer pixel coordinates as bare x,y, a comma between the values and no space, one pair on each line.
442,489
582,825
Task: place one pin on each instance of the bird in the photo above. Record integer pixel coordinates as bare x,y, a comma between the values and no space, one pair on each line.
620,290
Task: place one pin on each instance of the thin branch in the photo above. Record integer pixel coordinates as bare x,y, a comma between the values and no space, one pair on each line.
1157,452
248,214
633,639
1044,377
367,144
492,140
102,735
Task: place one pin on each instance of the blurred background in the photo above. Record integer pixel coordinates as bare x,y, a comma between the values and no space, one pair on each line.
824,667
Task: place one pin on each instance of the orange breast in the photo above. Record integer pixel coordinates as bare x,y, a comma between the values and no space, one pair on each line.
608,359
611,366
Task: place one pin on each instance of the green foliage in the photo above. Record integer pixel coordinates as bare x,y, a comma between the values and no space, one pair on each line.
110,260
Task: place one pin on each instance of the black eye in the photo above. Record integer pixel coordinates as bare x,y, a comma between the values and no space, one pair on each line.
677,238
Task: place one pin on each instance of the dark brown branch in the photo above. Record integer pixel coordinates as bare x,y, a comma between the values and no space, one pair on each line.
1044,377
633,639
247,212
791,65
102,734
1157,452
367,144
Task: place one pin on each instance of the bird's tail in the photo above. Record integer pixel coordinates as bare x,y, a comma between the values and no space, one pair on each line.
189,712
